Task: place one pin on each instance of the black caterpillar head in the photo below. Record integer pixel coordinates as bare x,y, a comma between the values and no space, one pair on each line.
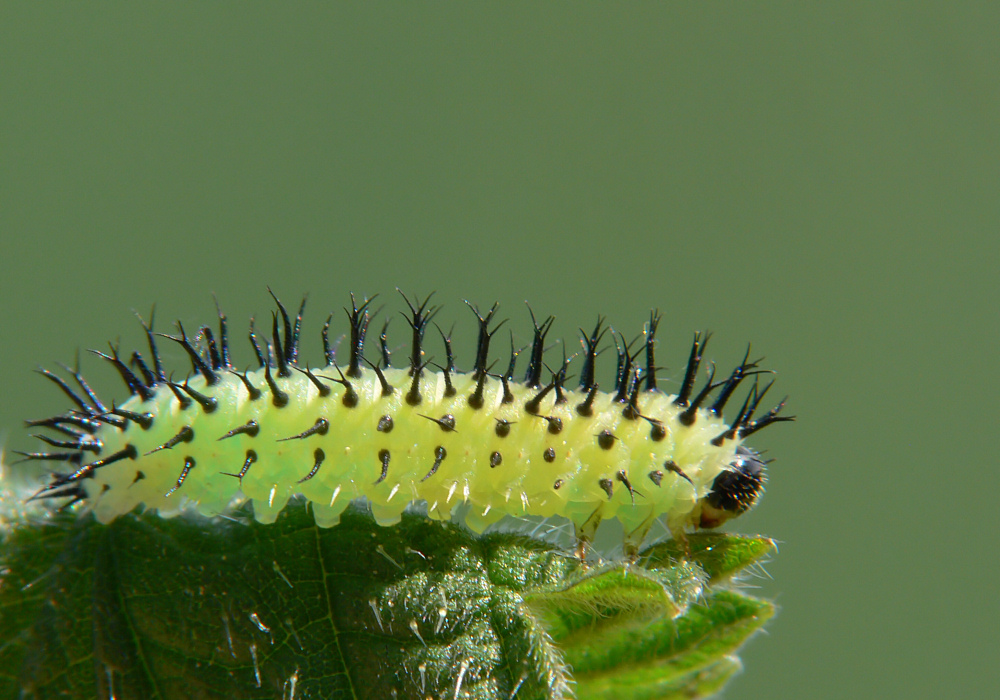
735,490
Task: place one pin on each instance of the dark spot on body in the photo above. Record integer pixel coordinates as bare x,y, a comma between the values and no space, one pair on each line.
605,439
608,487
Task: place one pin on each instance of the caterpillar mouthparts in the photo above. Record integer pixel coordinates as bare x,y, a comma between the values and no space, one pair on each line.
422,431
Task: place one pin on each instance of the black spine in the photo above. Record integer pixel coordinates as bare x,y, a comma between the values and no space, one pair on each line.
508,397
509,374
147,374
292,347
87,470
535,404
251,428
60,423
154,352
322,388
318,457
737,423
182,399
74,493
320,427
384,344
71,457
82,383
251,457
449,364
418,319
188,466
586,408
207,403
590,344
134,384
328,352
758,396
86,443
214,360
185,434
671,466
387,388
626,371
730,385
559,379
278,397
533,377
650,333
223,336
690,414
476,399
439,454
143,420
623,477
631,410
73,396
279,349
694,360
383,457
483,341
350,398
256,346
197,362
283,351
254,392
413,397
359,320
767,419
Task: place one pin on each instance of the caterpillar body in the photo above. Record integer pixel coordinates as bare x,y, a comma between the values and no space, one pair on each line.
416,433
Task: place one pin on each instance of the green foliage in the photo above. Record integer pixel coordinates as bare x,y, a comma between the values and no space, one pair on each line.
153,608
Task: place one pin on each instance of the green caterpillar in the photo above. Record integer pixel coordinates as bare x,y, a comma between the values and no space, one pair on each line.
414,433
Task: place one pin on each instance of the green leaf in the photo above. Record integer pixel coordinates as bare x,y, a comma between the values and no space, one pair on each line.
147,607
719,554
685,657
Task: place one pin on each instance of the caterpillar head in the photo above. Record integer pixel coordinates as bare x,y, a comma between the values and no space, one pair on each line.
735,490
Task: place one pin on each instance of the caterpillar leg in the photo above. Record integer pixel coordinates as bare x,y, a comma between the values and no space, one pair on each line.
633,540
585,532
679,533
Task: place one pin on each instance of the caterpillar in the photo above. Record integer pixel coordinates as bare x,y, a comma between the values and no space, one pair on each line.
423,431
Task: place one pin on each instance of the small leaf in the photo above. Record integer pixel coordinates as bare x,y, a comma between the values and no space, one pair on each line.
614,597
719,554
670,657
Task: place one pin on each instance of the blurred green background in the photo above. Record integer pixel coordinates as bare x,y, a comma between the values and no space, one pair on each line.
820,181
